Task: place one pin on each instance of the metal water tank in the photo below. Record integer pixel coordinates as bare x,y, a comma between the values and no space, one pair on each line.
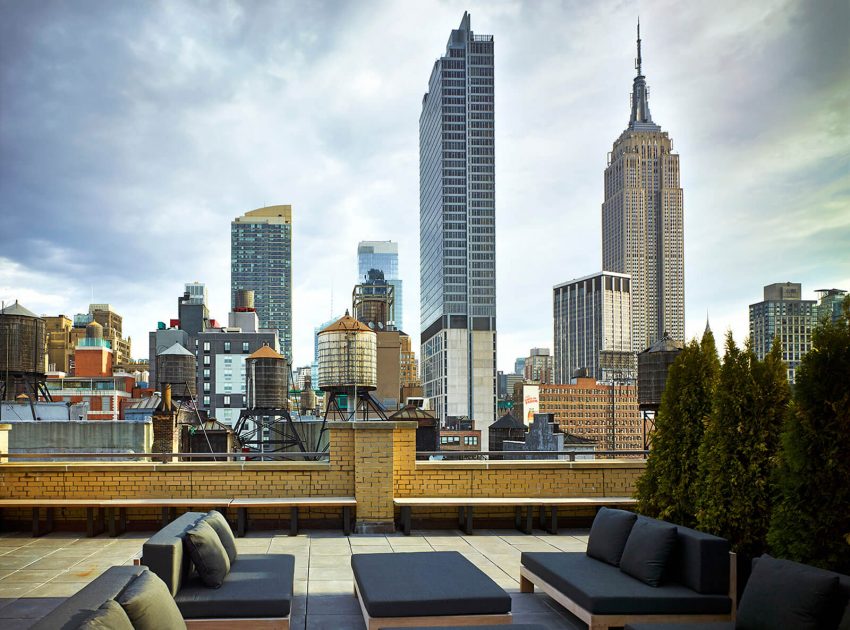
348,352
244,300
23,341
653,364
177,367
267,375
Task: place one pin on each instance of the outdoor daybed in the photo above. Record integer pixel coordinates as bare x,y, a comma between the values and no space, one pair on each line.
637,569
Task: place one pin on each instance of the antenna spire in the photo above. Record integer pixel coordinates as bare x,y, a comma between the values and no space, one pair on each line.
638,61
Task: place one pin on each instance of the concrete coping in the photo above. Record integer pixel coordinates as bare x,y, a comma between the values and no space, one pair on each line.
202,467
354,425
5,427
526,464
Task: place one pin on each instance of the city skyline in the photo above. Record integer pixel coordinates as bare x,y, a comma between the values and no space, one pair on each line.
158,146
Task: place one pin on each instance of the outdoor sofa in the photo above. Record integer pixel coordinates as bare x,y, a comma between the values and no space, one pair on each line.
121,598
637,569
785,595
213,586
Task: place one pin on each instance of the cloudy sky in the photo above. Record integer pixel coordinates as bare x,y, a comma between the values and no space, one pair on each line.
131,133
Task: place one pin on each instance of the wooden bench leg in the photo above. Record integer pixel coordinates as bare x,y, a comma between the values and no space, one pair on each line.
466,520
122,520
346,520
90,532
525,585
241,521
541,517
51,512
553,521
293,520
405,519
36,525
110,522
529,520
165,516
517,518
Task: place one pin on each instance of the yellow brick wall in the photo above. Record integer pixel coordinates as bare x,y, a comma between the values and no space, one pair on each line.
373,462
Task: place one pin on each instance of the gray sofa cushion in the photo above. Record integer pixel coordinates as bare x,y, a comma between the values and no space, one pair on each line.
215,520
110,616
647,550
425,584
602,589
257,586
785,594
513,626
163,553
207,553
700,561
608,535
149,605
71,613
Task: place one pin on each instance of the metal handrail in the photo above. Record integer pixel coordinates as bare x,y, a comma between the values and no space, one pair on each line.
251,455
521,455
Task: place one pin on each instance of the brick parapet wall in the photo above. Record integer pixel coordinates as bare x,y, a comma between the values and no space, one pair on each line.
371,461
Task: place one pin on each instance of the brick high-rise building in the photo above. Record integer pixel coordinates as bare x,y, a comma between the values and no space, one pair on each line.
642,222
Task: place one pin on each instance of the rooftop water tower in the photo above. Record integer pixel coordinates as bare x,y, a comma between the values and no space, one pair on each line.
177,367
265,425
23,347
348,368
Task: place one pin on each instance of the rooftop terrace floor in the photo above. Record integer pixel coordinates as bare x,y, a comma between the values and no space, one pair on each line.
36,574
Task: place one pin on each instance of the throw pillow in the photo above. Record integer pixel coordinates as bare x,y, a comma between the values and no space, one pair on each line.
608,535
110,616
785,594
207,553
217,521
149,604
647,550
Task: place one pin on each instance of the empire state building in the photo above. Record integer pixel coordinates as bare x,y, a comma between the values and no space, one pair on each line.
642,221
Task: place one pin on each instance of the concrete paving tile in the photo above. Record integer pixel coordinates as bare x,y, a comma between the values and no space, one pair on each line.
25,575
335,622
75,576
330,587
299,587
52,563
324,562
331,573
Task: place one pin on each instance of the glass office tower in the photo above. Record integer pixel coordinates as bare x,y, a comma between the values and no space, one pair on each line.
261,260
457,231
383,256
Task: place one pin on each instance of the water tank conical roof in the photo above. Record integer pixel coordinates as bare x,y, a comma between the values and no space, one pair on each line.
346,323
17,309
176,349
94,331
266,352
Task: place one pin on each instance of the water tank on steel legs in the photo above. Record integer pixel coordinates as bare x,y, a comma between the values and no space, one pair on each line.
267,374
177,367
348,351
23,341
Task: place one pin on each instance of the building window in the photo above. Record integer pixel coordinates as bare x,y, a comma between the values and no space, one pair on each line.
244,346
207,360
206,346
206,387
105,403
227,346
227,401
206,401
206,373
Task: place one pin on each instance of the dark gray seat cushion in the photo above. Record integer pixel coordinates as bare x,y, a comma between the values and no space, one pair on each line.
110,616
425,584
215,520
608,535
207,553
514,626
700,561
603,589
785,594
257,586
71,613
149,605
647,550
718,625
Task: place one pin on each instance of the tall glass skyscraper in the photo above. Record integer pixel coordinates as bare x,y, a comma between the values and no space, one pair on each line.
383,256
261,260
457,231
642,222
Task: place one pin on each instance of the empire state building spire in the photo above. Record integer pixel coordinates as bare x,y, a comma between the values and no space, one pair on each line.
641,118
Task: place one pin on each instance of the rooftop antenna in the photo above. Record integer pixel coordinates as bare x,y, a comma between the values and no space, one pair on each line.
638,60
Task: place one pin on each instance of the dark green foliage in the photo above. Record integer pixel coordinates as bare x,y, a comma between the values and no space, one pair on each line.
667,488
739,447
811,521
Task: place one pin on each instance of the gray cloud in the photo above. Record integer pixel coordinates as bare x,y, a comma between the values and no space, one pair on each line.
132,133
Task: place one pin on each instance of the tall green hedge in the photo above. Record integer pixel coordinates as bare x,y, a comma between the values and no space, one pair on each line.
739,447
811,521
667,489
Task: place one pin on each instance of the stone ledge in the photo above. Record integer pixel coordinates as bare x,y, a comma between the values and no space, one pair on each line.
528,464
205,467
